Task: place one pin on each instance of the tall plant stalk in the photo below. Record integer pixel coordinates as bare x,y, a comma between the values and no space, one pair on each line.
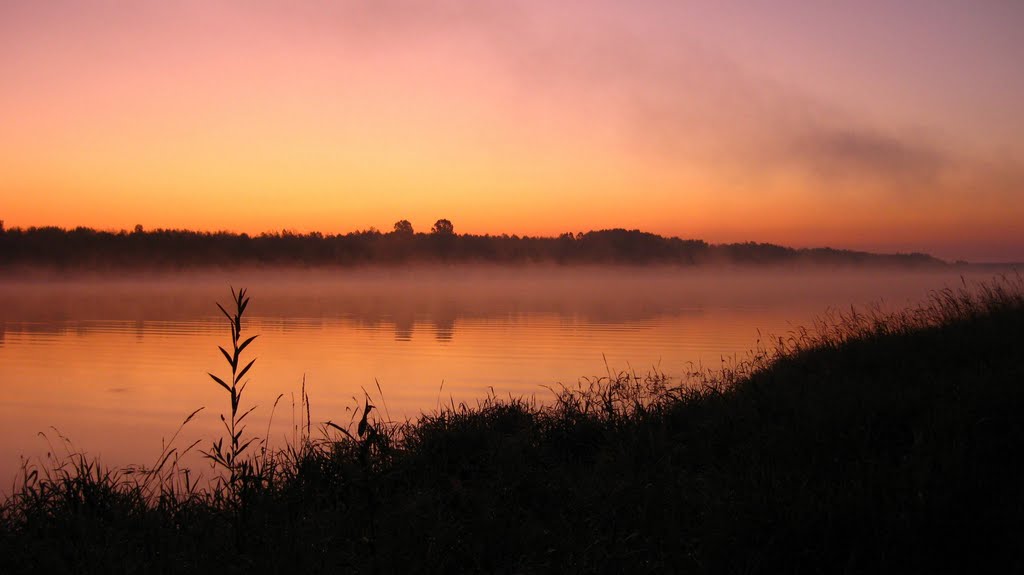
228,456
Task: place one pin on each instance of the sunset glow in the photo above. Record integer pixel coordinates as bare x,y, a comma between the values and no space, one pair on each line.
879,126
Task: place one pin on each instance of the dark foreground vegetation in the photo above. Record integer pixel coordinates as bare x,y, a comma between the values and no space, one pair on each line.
89,249
872,444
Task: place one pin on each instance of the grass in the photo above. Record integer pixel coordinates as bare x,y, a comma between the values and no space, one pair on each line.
870,443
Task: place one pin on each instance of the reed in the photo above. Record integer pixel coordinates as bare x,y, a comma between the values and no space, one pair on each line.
229,456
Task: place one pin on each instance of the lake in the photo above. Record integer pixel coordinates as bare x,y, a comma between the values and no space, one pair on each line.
115,364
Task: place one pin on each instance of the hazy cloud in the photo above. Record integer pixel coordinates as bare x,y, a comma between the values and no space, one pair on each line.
850,153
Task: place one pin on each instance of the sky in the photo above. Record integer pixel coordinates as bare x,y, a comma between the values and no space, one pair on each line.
877,125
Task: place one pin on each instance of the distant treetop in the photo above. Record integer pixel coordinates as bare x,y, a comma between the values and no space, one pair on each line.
403,228
443,228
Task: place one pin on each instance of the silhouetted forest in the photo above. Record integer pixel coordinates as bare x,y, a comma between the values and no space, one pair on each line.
86,248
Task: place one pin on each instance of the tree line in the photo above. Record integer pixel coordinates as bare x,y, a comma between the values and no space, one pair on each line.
87,248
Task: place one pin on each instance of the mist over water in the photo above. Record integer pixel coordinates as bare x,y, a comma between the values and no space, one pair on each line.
115,364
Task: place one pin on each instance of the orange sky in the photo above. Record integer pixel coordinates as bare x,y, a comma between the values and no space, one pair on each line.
859,125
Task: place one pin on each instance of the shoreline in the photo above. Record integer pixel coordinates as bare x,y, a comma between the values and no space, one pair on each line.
810,454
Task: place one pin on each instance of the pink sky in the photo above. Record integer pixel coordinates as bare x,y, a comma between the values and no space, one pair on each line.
872,125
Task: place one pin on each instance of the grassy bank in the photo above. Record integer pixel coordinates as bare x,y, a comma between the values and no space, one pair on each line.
874,443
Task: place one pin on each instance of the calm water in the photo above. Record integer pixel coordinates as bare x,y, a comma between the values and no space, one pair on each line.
116,364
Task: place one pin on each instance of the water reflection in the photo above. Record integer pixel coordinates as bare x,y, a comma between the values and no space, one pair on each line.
117,364
403,327
84,305
444,322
